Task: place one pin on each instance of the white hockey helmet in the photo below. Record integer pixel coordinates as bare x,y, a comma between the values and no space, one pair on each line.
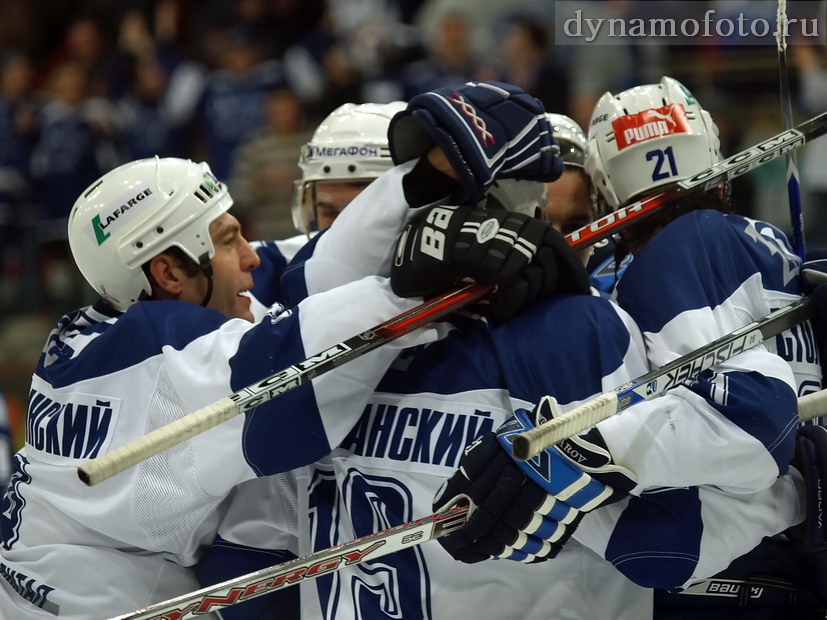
350,144
571,137
648,136
138,210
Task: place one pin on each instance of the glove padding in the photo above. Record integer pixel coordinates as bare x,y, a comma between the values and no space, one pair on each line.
487,130
811,460
522,255
526,511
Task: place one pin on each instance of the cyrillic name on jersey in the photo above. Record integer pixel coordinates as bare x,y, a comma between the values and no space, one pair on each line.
77,429
37,594
416,435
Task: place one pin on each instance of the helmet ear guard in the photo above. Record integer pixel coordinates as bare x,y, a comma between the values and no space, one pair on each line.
137,211
350,144
646,137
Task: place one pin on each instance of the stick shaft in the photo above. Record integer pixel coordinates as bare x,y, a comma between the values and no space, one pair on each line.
258,583
266,580
107,465
785,142
793,184
530,443
140,449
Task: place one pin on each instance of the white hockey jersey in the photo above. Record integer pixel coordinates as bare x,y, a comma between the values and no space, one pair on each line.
387,461
104,379
713,448
427,408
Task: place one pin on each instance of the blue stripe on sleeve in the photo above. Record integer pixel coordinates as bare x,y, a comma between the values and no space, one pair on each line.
764,407
699,260
287,431
267,276
562,346
293,283
137,335
657,539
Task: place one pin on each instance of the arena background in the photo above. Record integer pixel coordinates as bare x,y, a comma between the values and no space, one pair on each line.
85,85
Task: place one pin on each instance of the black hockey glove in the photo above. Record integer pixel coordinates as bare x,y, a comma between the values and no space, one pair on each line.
526,511
814,278
487,130
522,255
811,460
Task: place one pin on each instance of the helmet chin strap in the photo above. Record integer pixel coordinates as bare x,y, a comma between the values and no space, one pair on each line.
206,268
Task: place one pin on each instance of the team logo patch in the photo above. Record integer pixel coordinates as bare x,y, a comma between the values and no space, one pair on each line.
320,151
653,123
121,211
488,230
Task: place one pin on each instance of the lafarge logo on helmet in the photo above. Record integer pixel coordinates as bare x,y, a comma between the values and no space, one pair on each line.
103,225
316,151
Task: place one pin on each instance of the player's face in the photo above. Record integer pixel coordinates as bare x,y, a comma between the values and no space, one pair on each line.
569,204
331,197
233,261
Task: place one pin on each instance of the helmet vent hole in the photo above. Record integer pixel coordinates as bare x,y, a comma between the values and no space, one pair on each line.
351,168
159,230
198,194
93,188
326,169
139,244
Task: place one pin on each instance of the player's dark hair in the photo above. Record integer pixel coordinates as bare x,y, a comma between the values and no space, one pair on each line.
638,234
189,266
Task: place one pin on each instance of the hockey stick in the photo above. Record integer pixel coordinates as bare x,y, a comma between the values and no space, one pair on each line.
793,185
530,443
266,580
326,561
107,465
780,144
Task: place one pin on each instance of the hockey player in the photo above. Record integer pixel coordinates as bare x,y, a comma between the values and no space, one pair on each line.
429,405
171,334
571,205
713,454
347,151
427,408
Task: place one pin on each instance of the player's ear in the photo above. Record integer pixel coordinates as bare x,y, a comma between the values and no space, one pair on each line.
166,276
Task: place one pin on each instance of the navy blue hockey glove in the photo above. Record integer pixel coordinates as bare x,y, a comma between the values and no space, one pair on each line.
526,511
522,255
814,276
811,460
487,130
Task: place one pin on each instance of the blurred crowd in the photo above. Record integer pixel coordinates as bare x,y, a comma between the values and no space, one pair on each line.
86,85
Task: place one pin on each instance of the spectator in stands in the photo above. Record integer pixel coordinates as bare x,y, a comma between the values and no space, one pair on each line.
264,169
231,109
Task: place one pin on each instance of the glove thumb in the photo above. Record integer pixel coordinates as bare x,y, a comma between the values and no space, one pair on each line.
547,409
